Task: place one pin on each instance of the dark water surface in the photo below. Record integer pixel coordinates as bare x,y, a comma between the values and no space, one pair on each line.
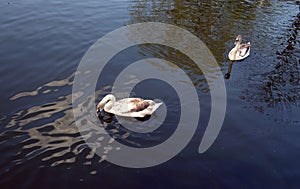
42,43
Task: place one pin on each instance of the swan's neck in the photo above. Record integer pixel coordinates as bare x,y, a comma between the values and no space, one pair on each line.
237,45
109,102
106,103
235,49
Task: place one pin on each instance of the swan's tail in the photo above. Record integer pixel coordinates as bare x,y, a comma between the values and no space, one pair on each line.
156,106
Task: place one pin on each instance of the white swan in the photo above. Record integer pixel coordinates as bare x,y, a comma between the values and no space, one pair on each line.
129,107
240,51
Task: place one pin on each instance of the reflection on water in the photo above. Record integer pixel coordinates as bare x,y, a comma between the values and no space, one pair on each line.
46,136
47,131
41,146
228,74
215,22
279,88
255,19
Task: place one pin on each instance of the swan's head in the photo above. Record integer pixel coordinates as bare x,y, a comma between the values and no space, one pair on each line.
106,103
238,39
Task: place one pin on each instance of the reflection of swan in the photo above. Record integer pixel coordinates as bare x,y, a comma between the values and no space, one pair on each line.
240,51
105,117
108,117
129,107
227,75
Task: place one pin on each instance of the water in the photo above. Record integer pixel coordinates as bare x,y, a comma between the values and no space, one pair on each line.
43,42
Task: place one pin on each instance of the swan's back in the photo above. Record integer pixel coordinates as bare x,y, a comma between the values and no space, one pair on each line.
239,54
134,107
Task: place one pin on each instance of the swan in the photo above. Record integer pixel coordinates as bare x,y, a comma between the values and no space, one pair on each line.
128,107
240,51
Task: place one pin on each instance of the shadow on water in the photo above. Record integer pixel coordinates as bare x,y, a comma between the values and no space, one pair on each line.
228,74
105,117
229,69
108,117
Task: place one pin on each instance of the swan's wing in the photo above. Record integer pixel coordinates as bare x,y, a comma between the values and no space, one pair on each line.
123,105
128,105
147,108
140,106
244,48
243,52
134,107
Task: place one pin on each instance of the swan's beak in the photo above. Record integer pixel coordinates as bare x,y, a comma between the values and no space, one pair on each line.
99,107
99,110
236,41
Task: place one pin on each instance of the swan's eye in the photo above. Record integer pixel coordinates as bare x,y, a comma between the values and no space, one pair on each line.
107,101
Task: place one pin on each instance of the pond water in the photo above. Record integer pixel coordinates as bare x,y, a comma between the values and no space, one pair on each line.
42,43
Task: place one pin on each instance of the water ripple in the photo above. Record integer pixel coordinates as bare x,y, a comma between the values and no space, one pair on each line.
44,133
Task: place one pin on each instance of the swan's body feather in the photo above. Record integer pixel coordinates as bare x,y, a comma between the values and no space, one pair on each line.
128,107
240,51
